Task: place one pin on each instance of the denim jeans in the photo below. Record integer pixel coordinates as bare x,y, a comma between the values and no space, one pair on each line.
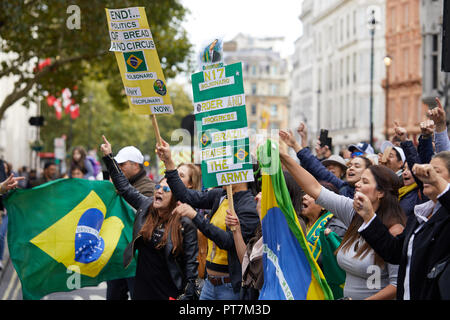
221,292
3,230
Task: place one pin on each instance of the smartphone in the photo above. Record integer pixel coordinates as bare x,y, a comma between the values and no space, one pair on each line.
323,137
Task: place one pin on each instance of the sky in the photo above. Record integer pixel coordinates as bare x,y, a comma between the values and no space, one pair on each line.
259,18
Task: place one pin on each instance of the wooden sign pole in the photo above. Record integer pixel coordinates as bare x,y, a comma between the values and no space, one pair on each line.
230,203
155,126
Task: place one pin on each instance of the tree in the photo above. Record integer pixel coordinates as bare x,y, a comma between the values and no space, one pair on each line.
32,31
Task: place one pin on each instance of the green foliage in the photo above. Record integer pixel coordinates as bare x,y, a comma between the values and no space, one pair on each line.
121,127
35,30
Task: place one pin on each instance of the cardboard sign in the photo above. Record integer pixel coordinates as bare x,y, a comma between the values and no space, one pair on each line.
221,118
136,55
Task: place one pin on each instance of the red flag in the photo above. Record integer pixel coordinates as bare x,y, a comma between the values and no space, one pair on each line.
41,65
58,108
51,100
74,111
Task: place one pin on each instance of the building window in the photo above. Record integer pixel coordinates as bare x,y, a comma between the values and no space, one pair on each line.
406,14
405,103
253,88
273,110
420,112
434,59
253,109
274,89
393,26
274,70
406,66
274,125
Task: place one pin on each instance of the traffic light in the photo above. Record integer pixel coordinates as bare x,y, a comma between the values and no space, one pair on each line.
36,121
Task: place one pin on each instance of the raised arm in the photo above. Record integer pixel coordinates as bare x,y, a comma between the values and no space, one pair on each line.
309,162
425,147
195,198
439,117
303,178
123,186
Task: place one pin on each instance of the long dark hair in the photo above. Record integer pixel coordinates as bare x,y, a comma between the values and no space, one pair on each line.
171,222
83,156
389,211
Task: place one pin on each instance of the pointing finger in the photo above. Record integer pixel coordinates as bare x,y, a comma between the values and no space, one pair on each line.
439,103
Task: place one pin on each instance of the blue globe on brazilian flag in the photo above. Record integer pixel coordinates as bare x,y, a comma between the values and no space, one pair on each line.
67,226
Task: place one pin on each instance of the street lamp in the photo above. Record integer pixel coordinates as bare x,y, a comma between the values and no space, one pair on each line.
387,62
371,25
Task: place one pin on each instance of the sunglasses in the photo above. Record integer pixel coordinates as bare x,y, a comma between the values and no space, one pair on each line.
165,188
357,153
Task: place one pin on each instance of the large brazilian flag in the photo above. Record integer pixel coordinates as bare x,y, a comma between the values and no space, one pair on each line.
67,234
290,271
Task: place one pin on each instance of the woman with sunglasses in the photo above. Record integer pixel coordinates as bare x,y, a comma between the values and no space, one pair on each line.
346,187
223,268
167,243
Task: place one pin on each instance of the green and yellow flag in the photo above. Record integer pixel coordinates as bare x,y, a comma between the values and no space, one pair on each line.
290,270
68,234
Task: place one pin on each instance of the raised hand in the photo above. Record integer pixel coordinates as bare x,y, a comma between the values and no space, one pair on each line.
438,116
427,127
400,131
164,153
363,206
288,137
184,210
10,183
302,130
425,172
105,147
428,175
321,152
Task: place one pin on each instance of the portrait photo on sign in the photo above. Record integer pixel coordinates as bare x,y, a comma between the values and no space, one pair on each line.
160,87
212,53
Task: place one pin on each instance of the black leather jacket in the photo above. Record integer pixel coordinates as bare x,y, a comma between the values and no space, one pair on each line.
244,206
184,267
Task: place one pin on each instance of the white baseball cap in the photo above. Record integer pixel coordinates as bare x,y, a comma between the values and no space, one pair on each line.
399,150
129,153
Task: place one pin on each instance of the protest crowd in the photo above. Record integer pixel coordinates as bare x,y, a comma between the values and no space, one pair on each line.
376,225
275,219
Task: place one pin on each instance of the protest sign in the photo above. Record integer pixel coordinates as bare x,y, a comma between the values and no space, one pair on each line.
136,55
221,118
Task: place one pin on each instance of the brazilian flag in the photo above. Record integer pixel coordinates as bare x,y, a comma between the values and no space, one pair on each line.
290,270
67,234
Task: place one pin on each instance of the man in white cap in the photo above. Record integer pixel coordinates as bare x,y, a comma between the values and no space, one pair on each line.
393,157
130,161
